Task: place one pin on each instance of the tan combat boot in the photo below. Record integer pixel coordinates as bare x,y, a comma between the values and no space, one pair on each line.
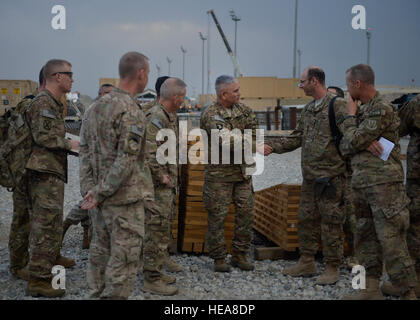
220,265
239,260
66,226
330,275
304,268
371,292
171,265
167,278
159,287
22,273
86,238
409,295
42,287
65,262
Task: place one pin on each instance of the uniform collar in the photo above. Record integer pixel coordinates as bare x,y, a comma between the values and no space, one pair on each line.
121,91
48,93
233,113
170,116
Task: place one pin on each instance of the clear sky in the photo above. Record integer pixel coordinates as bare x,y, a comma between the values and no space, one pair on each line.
99,32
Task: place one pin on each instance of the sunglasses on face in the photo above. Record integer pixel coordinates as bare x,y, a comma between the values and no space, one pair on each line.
70,74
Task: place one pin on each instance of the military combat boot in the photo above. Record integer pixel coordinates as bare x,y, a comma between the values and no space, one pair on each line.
388,289
304,268
22,273
65,262
171,265
330,275
239,260
371,292
159,287
42,287
86,238
220,265
66,226
167,278
409,295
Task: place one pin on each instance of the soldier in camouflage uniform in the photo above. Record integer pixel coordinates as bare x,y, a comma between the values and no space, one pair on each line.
382,216
116,181
159,218
226,182
20,228
410,124
76,215
47,173
321,210
147,106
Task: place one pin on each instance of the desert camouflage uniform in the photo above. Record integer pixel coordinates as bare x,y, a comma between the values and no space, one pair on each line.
47,174
320,214
20,227
112,165
410,124
76,215
148,106
380,198
226,182
159,217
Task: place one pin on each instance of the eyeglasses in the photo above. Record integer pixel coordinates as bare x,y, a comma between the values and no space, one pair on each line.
70,74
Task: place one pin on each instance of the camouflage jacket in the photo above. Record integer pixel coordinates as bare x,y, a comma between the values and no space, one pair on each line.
320,157
158,118
147,106
112,160
50,147
374,120
223,120
410,124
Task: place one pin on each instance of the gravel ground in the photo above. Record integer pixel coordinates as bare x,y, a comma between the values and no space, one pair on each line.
197,281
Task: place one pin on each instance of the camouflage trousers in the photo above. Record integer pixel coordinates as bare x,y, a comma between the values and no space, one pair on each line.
115,250
413,236
76,215
158,232
350,223
381,233
20,227
47,198
217,197
322,216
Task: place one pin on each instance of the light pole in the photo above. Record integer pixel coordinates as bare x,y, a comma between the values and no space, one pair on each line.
183,62
169,66
295,40
202,68
158,70
368,36
299,52
236,19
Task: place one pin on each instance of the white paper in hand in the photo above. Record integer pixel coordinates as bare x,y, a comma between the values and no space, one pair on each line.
388,146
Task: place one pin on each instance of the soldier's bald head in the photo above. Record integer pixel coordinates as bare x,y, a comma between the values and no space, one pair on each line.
130,63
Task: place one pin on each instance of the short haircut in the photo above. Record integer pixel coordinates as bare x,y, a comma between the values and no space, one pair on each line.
53,66
339,91
159,83
130,63
41,77
362,72
224,81
105,85
172,87
317,73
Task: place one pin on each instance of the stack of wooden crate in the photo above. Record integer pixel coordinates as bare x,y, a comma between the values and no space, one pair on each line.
276,214
192,216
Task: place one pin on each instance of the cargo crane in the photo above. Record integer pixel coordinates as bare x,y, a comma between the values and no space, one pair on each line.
233,57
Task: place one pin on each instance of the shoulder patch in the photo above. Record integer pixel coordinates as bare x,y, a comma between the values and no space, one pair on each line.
136,130
48,114
218,118
157,123
377,113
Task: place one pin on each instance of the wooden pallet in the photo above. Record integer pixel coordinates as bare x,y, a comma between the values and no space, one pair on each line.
276,214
